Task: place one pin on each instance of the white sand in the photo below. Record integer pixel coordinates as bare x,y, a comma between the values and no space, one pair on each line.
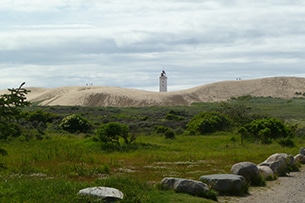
280,87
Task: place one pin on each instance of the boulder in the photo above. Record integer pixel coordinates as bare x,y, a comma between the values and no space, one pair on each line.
266,172
248,170
302,151
280,163
192,187
106,194
226,183
299,158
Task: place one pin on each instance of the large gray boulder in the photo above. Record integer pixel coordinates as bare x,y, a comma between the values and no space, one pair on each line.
266,172
280,163
248,170
192,187
228,184
299,158
106,194
302,151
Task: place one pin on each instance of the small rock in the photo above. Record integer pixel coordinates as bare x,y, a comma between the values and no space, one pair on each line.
104,193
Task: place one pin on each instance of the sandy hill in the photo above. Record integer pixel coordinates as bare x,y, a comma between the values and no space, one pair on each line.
278,87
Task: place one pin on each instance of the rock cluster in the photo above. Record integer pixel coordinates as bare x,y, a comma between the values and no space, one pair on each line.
242,175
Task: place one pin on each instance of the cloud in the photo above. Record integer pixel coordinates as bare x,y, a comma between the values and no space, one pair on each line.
127,43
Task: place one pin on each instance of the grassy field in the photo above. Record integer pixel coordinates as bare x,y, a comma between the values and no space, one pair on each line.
55,168
60,166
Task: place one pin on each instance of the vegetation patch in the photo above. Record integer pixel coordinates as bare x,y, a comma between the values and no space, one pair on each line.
132,149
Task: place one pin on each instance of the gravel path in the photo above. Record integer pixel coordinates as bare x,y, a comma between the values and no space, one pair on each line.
290,189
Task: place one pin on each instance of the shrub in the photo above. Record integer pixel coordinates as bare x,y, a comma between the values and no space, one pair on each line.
208,122
175,115
169,134
286,142
75,123
238,113
40,116
161,129
112,131
265,130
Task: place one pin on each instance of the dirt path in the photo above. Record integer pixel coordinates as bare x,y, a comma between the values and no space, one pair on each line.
290,189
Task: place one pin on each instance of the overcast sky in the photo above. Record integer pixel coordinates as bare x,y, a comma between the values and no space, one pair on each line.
127,43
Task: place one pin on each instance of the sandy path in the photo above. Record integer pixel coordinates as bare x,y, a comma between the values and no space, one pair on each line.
290,189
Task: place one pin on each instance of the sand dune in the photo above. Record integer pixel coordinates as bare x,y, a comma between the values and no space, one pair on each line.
278,87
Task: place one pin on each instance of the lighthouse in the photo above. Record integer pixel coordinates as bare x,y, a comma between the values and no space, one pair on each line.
163,82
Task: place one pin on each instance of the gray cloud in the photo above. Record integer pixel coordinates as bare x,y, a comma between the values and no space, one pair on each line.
126,44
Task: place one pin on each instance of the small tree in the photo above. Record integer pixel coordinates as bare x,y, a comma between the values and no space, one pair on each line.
10,114
75,123
112,131
10,111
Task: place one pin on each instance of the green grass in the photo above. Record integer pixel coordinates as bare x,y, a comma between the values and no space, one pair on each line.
56,168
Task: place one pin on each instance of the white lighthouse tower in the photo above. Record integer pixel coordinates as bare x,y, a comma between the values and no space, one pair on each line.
163,82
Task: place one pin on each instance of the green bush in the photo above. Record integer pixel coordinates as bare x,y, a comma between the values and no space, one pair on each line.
265,130
175,115
161,129
75,123
208,122
286,142
169,134
238,113
112,131
40,116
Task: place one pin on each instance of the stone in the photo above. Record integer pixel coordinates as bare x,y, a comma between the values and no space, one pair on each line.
302,151
107,194
266,172
187,186
248,170
280,163
299,158
228,184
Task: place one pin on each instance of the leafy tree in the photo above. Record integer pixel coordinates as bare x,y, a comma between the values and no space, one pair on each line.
112,131
10,114
208,122
265,130
75,123
10,111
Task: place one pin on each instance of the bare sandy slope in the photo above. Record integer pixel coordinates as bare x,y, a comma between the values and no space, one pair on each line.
280,87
